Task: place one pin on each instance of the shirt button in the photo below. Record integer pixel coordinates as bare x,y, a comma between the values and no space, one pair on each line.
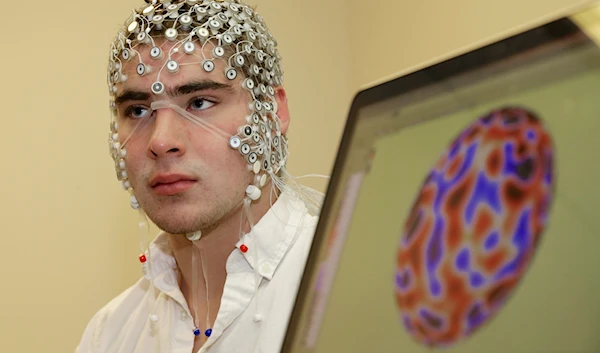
266,268
184,315
258,318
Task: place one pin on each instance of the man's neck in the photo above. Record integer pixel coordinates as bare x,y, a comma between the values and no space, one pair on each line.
216,245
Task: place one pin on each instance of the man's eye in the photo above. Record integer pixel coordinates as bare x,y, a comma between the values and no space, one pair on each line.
137,112
201,104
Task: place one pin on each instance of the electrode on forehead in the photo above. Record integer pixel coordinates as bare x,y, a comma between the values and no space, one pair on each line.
218,52
189,47
231,74
239,60
158,88
142,69
156,53
172,66
208,66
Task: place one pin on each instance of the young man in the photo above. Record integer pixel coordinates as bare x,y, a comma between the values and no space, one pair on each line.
198,136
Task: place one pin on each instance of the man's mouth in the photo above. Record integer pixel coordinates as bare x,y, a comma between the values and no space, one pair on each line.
171,184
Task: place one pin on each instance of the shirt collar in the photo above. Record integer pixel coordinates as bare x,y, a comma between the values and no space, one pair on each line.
268,241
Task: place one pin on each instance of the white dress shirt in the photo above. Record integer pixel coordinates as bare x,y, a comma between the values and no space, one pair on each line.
152,316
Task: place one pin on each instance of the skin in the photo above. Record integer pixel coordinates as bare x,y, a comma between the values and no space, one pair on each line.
214,177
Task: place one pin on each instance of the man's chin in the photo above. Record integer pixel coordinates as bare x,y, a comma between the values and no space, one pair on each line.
181,221
178,228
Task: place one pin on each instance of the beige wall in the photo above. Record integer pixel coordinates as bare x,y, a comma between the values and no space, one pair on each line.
401,36
70,241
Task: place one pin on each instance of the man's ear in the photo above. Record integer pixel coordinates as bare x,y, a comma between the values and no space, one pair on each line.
283,111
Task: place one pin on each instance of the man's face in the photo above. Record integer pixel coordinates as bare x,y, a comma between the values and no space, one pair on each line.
184,177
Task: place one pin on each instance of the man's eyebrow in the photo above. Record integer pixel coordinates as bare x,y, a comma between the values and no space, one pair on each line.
195,86
130,95
191,87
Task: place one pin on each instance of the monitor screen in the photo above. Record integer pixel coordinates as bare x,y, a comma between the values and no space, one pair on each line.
461,216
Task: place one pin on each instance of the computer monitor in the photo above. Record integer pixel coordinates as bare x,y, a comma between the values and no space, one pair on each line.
461,215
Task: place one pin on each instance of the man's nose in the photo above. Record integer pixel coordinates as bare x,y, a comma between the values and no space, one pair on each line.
168,135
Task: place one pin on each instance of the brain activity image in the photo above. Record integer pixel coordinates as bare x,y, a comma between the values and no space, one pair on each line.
474,227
